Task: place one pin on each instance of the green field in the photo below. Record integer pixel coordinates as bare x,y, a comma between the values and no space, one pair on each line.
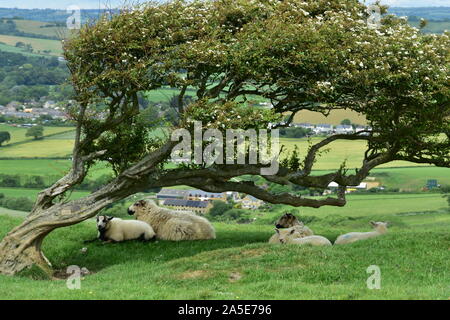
352,152
39,45
240,264
32,193
18,134
38,28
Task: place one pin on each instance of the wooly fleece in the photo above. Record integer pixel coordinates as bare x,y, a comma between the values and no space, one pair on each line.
289,236
380,228
172,225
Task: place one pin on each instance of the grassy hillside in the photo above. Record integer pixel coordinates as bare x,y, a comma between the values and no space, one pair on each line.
240,264
32,193
352,152
40,28
18,134
39,45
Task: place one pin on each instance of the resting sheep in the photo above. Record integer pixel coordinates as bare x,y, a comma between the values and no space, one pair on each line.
288,220
289,236
172,225
112,229
380,228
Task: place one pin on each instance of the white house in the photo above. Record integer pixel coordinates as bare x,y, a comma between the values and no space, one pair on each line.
344,129
323,128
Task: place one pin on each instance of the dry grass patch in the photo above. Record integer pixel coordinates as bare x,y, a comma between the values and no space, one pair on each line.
194,274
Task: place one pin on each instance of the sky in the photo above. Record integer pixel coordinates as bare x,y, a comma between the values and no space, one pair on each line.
95,4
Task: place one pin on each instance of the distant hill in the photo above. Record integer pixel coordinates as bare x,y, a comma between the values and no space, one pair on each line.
429,13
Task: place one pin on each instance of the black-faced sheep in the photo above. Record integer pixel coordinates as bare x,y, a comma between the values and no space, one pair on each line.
112,229
288,220
172,225
380,228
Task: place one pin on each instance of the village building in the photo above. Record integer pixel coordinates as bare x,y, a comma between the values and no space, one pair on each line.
250,202
193,194
198,207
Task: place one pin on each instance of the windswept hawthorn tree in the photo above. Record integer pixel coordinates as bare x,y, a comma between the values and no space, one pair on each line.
317,55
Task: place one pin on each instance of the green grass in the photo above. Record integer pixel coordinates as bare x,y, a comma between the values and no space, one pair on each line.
18,134
37,27
43,148
366,205
54,46
32,193
240,264
352,152
8,48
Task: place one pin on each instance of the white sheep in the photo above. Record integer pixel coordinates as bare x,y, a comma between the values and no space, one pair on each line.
288,220
289,236
172,225
112,229
300,232
380,228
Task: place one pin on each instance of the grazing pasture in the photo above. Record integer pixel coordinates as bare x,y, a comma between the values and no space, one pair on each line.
241,265
54,46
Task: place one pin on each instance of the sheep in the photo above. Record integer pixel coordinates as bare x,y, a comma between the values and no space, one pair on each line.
288,220
289,236
172,225
112,229
380,228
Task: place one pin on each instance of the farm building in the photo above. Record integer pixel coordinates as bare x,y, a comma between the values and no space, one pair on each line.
344,129
199,207
193,194
250,202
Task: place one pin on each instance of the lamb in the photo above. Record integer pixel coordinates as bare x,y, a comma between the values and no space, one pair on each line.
380,228
288,220
112,229
172,225
289,236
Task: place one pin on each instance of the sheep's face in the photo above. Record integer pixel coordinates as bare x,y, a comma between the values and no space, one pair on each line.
380,226
286,221
284,235
135,207
102,222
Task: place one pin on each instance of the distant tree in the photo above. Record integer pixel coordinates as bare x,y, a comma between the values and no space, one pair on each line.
4,136
219,208
446,193
36,132
346,122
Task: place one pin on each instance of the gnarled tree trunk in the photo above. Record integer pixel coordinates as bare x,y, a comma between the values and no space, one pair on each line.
21,249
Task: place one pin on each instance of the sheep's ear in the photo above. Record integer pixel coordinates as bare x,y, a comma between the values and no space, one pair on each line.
277,231
292,231
373,223
109,218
